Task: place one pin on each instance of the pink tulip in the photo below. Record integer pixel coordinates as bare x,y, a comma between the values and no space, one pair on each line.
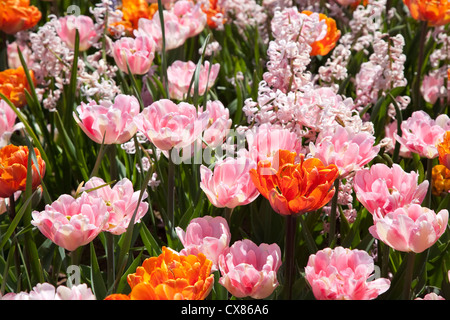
219,124
410,228
431,88
229,185
190,15
342,274
180,74
112,122
389,131
68,25
13,55
168,125
420,134
431,296
249,270
7,123
208,235
175,32
388,189
138,52
345,148
46,291
121,201
72,222
265,140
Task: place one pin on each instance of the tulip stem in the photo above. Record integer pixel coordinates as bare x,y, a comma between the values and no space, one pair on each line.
114,175
423,33
409,275
12,214
228,212
289,253
171,190
333,214
430,185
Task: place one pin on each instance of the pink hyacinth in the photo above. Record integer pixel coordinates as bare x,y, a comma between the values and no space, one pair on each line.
388,189
229,185
180,75
208,235
249,270
219,124
112,122
168,125
420,134
345,148
68,25
176,33
342,274
72,222
265,140
7,122
410,228
46,291
138,52
121,201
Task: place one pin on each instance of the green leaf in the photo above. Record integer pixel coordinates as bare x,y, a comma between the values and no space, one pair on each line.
97,281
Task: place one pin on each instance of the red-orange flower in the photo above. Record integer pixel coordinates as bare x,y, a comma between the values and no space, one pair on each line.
436,12
213,11
444,150
170,276
295,188
324,46
13,83
18,15
13,170
133,10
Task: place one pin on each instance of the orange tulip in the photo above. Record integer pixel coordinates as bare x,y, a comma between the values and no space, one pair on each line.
436,12
170,276
295,188
18,15
13,83
444,150
133,10
440,180
324,46
212,10
13,170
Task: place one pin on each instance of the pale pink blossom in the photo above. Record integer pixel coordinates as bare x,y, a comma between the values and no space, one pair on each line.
67,26
121,201
110,123
13,55
72,222
229,183
46,291
344,147
180,75
175,32
249,270
387,189
137,52
343,274
431,88
420,134
168,125
409,228
431,296
7,122
219,124
208,235
389,131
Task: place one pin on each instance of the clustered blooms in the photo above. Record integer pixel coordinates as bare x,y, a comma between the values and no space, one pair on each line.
303,137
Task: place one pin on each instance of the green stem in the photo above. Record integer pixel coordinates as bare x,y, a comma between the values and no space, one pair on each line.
113,169
385,251
171,190
409,275
333,214
228,212
417,105
289,253
110,258
12,214
427,202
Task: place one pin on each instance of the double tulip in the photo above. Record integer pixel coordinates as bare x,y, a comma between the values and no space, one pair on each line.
18,15
294,188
